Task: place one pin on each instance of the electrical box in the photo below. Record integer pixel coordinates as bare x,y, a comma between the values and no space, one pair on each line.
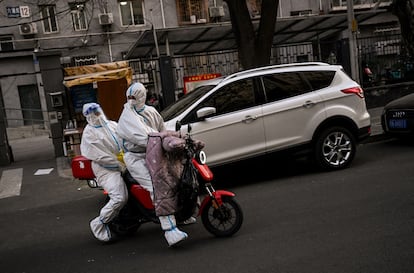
216,11
106,19
56,99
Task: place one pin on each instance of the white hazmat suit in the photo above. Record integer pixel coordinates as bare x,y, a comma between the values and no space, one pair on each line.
137,121
101,145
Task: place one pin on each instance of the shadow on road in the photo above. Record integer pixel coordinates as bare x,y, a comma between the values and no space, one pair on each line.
261,169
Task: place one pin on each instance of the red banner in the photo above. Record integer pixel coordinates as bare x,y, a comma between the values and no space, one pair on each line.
191,82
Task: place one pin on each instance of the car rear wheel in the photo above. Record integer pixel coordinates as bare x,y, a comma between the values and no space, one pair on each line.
335,148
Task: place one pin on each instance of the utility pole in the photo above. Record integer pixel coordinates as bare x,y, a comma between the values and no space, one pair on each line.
6,154
352,30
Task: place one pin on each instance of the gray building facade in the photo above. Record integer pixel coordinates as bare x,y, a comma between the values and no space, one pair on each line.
39,38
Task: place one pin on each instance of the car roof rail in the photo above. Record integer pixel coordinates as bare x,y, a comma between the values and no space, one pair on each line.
263,68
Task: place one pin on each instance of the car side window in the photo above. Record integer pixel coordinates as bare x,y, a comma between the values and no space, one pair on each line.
232,97
280,86
319,79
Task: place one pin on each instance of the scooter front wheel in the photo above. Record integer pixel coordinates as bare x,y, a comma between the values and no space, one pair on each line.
225,220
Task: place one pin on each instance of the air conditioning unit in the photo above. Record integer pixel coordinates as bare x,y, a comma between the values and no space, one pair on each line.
106,19
216,11
28,29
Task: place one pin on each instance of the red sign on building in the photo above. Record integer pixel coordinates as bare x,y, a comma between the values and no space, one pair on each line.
191,82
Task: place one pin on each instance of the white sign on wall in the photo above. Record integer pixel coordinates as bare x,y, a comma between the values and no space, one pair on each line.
24,11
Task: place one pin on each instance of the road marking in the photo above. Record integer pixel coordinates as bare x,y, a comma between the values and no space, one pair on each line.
43,171
11,182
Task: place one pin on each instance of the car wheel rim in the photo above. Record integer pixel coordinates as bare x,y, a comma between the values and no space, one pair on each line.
337,149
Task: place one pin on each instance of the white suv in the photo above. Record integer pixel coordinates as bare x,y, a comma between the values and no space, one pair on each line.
312,107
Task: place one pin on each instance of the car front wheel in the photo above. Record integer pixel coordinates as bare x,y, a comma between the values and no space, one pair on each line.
334,148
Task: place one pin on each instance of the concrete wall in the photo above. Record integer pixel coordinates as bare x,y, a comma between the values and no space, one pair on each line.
107,42
286,6
14,73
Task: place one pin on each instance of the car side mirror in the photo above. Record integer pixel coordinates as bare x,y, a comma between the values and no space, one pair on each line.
206,112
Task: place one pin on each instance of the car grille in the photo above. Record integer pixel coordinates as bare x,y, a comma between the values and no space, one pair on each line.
399,120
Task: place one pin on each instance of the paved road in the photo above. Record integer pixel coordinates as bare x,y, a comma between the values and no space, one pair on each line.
296,220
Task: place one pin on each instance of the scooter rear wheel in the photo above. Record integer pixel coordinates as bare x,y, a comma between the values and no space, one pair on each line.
225,220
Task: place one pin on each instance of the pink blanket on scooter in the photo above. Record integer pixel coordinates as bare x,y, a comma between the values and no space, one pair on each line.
164,157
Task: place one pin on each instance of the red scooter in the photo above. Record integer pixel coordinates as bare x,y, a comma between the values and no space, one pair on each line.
220,213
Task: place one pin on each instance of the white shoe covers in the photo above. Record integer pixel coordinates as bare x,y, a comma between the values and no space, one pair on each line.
189,221
172,234
100,230
175,236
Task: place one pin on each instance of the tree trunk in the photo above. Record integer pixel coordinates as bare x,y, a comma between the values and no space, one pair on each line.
264,40
254,48
404,10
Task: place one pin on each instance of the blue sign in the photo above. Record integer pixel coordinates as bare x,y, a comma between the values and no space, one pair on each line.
13,12
82,94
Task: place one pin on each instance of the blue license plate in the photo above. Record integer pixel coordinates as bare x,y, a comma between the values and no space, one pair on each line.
397,123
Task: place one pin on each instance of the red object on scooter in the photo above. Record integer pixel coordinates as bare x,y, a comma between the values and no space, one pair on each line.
203,170
142,195
81,168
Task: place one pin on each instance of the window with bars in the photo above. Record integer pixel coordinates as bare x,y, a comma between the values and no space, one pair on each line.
79,20
132,12
84,60
192,11
48,14
6,43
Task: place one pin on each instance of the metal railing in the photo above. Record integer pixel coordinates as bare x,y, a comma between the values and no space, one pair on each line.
17,117
382,53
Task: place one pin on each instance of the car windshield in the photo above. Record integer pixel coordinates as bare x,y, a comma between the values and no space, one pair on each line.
184,102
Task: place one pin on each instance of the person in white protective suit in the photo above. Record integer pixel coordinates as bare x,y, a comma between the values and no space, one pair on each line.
102,146
137,121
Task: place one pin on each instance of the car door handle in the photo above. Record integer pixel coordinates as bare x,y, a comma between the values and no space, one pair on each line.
249,119
308,104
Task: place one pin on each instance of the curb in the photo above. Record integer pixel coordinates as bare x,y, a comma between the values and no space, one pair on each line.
375,138
63,168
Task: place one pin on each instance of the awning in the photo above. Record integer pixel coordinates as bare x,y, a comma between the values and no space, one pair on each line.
80,75
219,37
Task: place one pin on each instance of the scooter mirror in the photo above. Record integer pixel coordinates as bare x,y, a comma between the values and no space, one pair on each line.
178,125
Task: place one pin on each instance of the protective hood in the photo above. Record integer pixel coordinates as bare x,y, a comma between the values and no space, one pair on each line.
136,95
94,114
